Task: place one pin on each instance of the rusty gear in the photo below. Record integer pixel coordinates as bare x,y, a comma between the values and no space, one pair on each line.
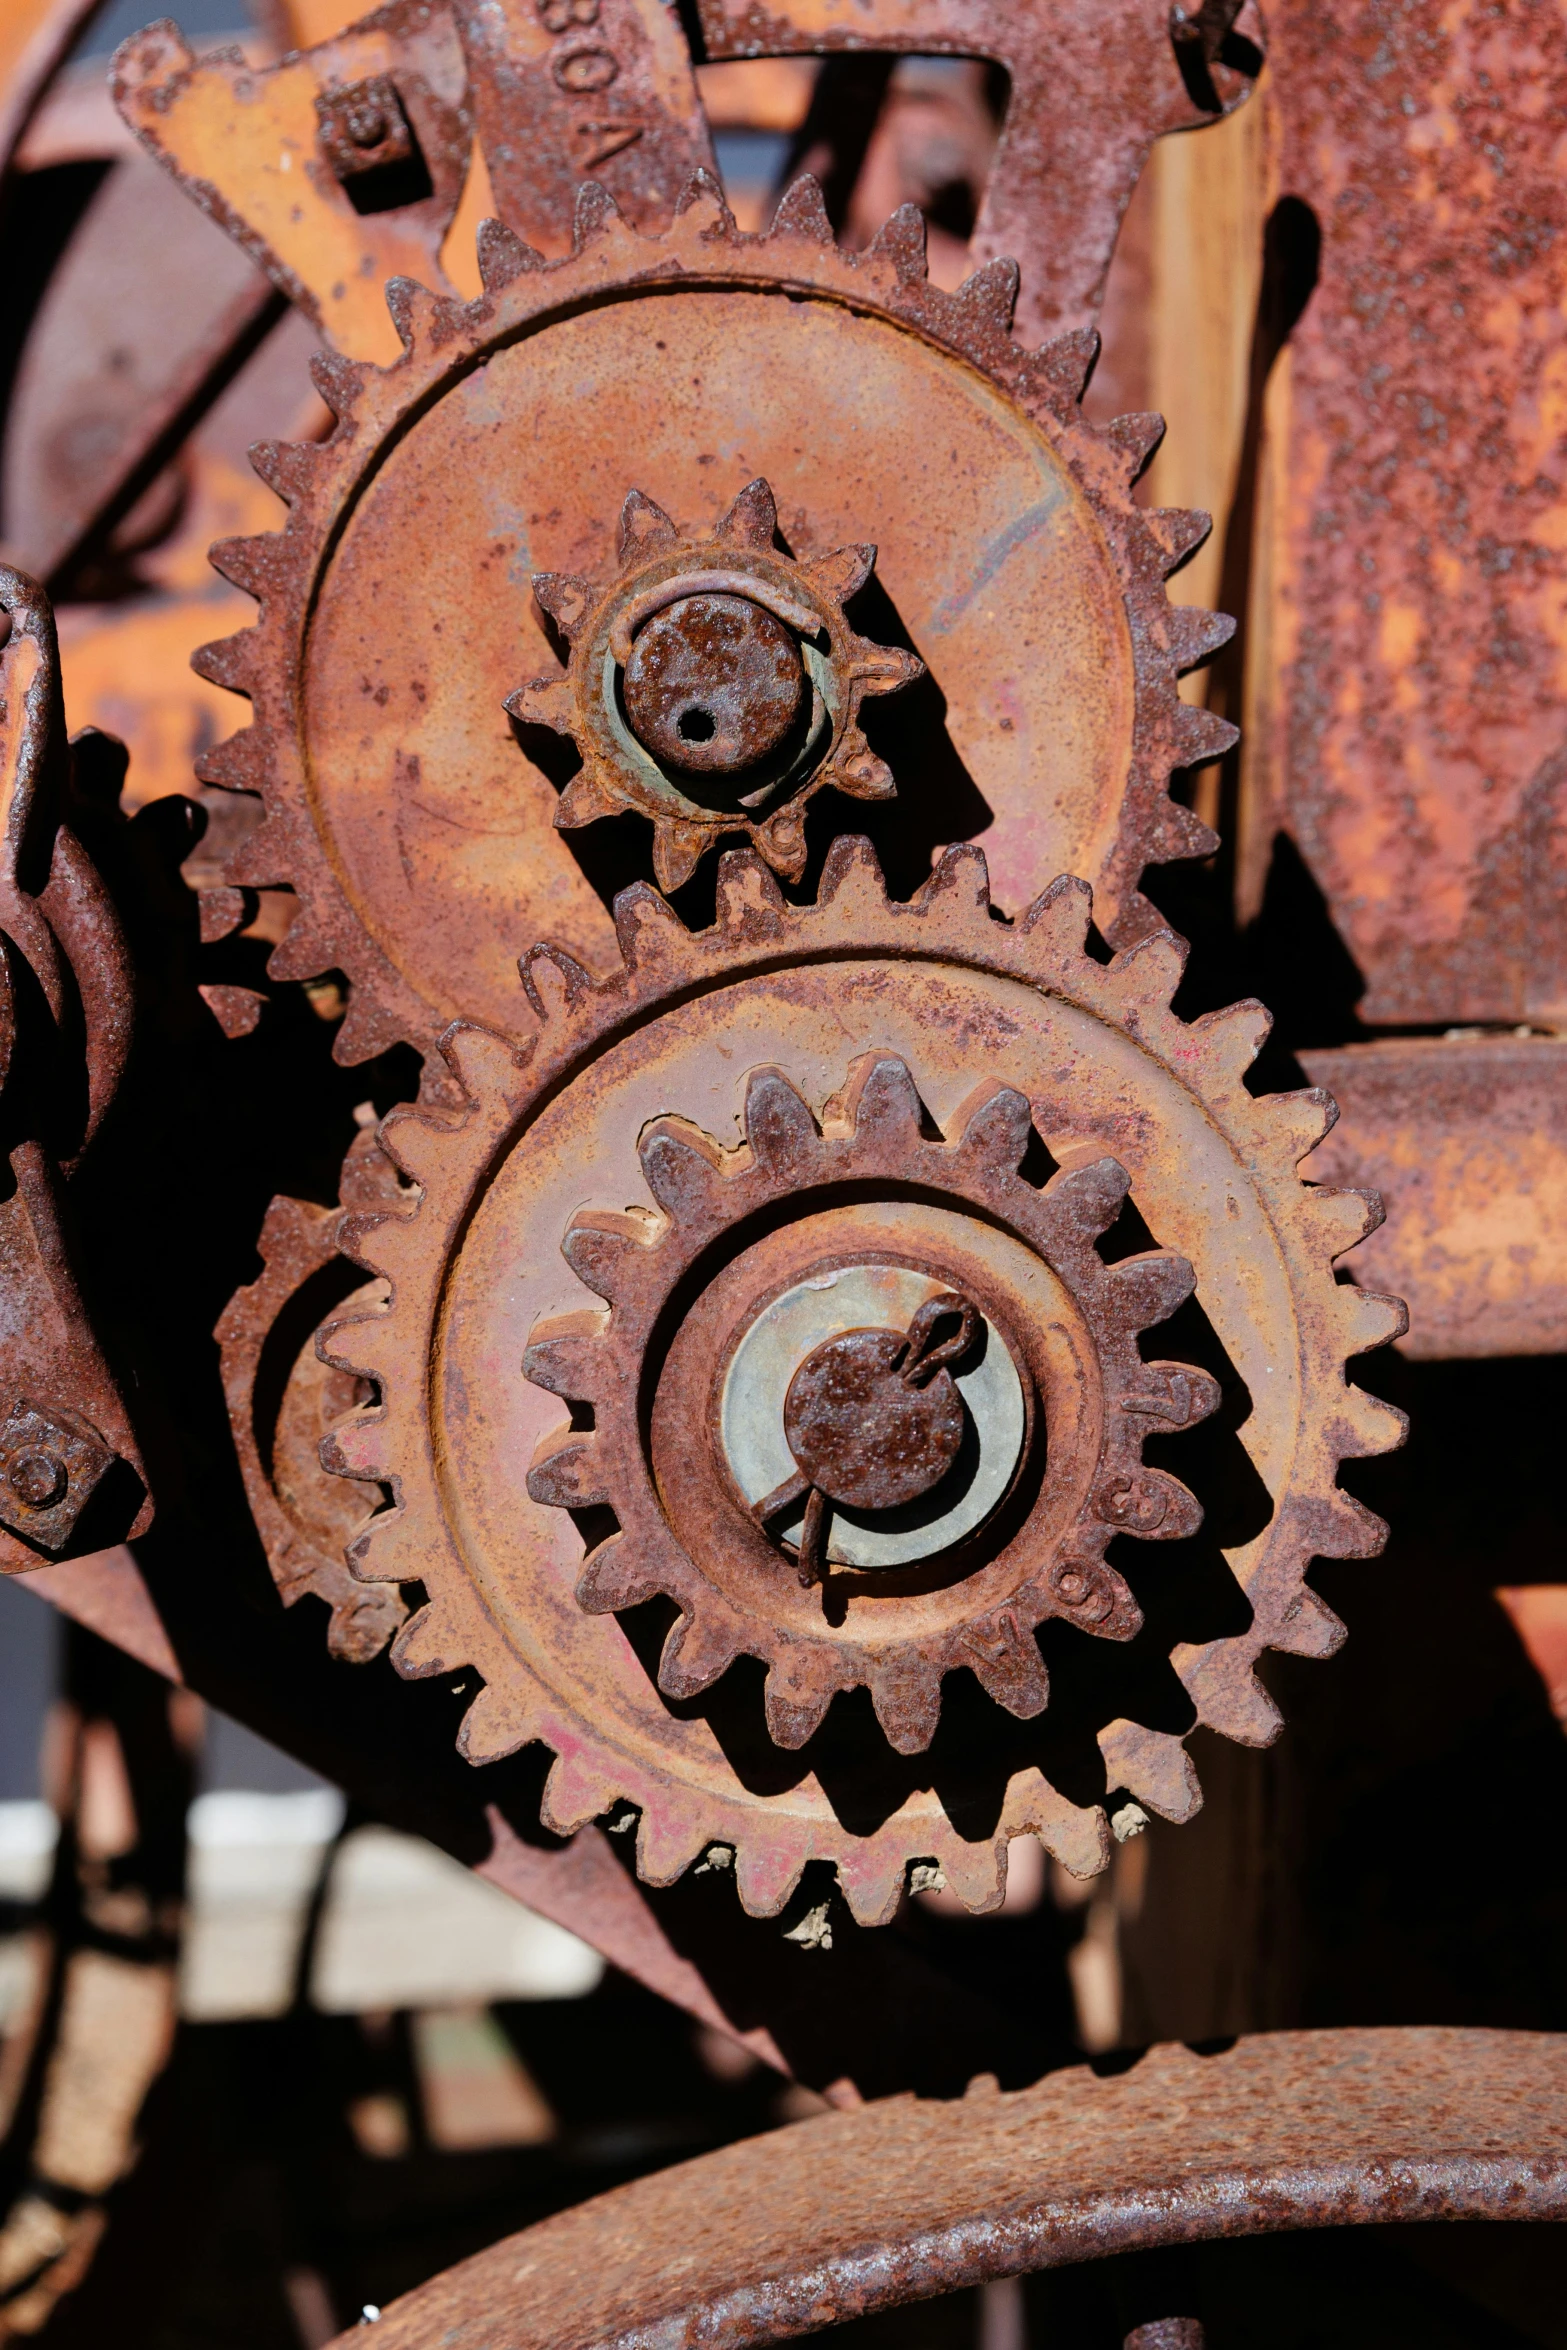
716,648
551,1127
680,1534
418,830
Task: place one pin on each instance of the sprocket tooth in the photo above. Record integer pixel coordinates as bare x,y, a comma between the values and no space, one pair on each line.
1367,1319
841,572
566,596
779,1127
495,1725
1147,1289
1297,1122
802,212
960,880
233,662
579,1788
1004,1658
766,1873
287,467
1230,1040
1056,924
585,799
1342,1219
570,1476
781,840
367,1032
858,772
871,1878
1201,735
668,1841
612,1579
1149,973
677,851
503,257
703,197
339,381
681,1166
1153,1766
1136,437
1308,1627
597,1253
852,879
1067,362
901,240
1196,635
553,981
427,1644
1229,1698
907,1703
699,1648
750,905
421,318
1177,532
998,1127
596,215
883,1104
990,295
652,938
751,517
1087,1193
250,563
643,529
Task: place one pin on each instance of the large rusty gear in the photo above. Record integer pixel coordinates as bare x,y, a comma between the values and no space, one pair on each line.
397,615
473,1266
681,1534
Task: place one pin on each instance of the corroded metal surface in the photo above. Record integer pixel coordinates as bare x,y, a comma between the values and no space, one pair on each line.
1406,720
1467,1141
855,2212
418,829
547,1131
1090,92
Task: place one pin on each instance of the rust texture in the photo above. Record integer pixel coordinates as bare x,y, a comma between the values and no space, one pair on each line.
937,987
1406,724
1467,1141
418,828
1090,93
832,2219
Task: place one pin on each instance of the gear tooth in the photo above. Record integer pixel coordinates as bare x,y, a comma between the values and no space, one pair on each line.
976,1873
1201,735
883,1103
339,381
907,1702
996,1125
871,1877
852,878
1177,532
751,518
250,563
1196,635
585,799
644,529
367,1032
703,197
565,595
261,861
1087,1193
1176,832
991,295
1372,1425
414,1143
1228,1700
1367,1319
677,850
1231,1040
1150,972
353,1449
1341,1219
1056,924
781,840
578,1789
596,215
483,1063
1135,437
231,661
568,1474
858,772
562,1353
415,312
1308,1627
503,257
841,572
698,1649
613,1578
596,1253
959,883
1077,1835
750,903
495,1725
901,240
549,702
1067,362
793,1703
1346,1529
1147,1289
287,467
681,1167
1298,1121
237,764
652,937
802,212
779,1127
1153,1506
553,981
303,954
1004,1658
428,1643
766,1874
1154,1767
669,1840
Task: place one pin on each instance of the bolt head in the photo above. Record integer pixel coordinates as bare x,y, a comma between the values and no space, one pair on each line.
38,1478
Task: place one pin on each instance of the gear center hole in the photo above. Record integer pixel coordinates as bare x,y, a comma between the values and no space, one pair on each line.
696,726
